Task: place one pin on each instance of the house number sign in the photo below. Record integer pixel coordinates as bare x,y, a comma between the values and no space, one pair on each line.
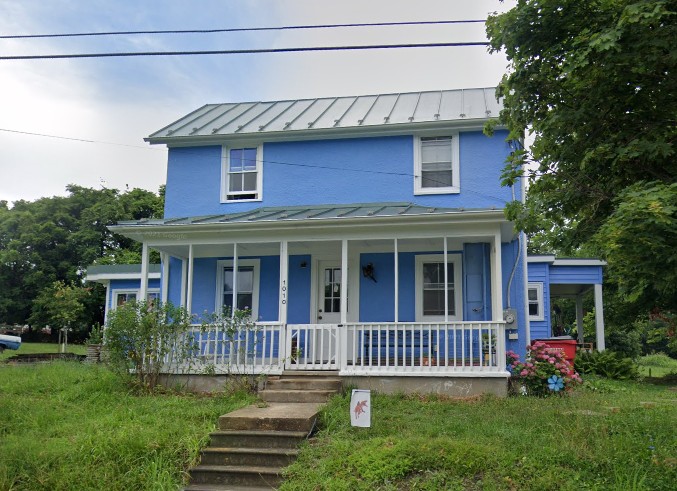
283,292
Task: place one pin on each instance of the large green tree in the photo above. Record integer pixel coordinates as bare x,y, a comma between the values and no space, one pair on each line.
594,82
55,239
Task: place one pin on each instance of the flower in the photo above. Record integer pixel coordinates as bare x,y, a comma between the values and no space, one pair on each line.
555,383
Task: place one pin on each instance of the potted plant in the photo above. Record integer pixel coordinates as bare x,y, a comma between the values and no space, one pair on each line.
94,343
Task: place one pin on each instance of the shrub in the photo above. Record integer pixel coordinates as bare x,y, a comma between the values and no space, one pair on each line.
607,364
626,343
145,337
545,371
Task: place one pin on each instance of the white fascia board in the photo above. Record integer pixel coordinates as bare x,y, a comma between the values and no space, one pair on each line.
541,258
101,277
323,133
579,262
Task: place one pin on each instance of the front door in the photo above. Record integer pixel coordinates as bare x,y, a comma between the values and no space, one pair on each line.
328,310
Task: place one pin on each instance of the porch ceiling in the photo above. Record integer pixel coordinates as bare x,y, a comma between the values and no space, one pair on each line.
568,290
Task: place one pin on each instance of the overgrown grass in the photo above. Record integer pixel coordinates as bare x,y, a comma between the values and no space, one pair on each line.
33,348
603,436
69,426
657,365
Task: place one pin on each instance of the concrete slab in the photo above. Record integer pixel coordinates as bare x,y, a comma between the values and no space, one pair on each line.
278,410
275,416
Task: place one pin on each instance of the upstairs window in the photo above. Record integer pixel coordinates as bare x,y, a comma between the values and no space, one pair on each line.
242,174
436,165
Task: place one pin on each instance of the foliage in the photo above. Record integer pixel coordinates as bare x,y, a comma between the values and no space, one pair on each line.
625,342
95,335
55,239
61,305
517,443
657,365
658,332
607,364
72,426
145,337
545,371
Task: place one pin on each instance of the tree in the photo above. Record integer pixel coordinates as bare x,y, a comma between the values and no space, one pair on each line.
61,306
594,82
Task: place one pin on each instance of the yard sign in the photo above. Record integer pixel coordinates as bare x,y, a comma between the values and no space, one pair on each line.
360,408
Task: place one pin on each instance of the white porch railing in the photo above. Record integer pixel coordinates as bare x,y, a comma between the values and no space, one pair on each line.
415,348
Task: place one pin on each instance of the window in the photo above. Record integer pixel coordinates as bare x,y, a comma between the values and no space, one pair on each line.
436,165
430,290
121,297
535,297
247,285
242,174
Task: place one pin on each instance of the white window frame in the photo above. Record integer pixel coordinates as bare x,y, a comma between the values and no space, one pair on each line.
454,259
539,301
455,166
119,291
225,165
228,263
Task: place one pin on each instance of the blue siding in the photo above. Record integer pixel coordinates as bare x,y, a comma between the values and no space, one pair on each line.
377,300
586,275
298,308
333,171
509,254
269,288
476,282
153,284
540,273
204,286
174,290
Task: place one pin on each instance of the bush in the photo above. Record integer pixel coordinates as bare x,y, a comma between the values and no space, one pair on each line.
607,364
545,371
146,337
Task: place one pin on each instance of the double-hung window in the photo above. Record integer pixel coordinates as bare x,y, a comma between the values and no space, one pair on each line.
431,289
535,299
436,165
242,173
244,293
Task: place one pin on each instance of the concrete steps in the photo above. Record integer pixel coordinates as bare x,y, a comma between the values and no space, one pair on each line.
252,445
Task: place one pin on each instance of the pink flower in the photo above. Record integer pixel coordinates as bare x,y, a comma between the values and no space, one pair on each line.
524,372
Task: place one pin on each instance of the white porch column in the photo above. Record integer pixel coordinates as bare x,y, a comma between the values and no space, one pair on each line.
579,318
143,290
344,281
397,282
164,289
107,304
235,272
184,280
189,289
599,317
284,281
446,283
497,279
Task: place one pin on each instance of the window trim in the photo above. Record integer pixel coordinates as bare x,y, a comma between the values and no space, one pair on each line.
225,164
228,263
452,258
455,188
539,300
118,291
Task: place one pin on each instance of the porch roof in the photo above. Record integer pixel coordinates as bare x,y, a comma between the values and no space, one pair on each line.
365,211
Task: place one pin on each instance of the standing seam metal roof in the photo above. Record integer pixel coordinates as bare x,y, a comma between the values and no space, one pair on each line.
383,110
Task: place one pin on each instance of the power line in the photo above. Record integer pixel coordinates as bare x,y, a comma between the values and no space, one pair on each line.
243,29
77,139
244,51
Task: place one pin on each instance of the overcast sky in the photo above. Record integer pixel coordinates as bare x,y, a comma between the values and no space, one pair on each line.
123,100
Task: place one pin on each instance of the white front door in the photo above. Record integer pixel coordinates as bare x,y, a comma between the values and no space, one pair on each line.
328,309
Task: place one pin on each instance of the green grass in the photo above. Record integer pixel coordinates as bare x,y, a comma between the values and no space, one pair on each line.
70,426
657,365
33,348
600,437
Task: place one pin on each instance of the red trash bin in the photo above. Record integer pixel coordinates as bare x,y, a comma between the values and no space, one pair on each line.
568,346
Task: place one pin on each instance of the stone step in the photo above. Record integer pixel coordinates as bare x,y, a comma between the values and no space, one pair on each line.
264,457
257,439
225,487
236,475
283,417
296,396
304,383
316,374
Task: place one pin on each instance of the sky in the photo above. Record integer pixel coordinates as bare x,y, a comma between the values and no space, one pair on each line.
115,102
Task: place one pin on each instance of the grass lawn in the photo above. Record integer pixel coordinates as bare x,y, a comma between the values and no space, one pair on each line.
33,348
658,365
605,436
71,426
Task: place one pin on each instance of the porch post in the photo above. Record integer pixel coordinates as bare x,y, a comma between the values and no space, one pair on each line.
344,281
235,272
189,292
446,283
164,259
284,281
143,290
184,280
579,318
599,317
497,279
397,283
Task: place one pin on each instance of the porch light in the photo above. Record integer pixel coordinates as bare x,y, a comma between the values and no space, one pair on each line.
303,265
368,272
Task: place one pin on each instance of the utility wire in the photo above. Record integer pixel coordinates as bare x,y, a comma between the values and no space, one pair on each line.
77,139
242,29
244,51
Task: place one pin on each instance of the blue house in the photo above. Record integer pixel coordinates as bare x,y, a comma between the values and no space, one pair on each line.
365,234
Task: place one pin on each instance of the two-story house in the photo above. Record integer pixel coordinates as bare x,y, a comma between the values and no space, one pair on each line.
365,234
